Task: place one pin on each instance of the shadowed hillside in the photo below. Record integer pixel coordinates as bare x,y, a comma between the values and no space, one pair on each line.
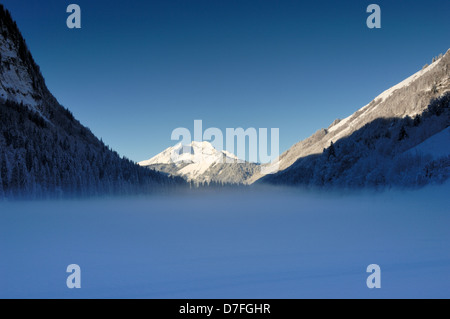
45,151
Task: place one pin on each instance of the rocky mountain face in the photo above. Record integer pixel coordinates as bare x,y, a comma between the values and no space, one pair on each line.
21,80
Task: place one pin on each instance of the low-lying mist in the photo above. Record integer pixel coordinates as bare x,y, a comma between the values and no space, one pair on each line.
244,243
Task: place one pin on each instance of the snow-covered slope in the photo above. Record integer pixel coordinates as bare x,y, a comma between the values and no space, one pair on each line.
201,162
436,146
408,98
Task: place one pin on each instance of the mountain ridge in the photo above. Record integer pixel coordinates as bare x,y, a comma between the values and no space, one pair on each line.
408,98
45,151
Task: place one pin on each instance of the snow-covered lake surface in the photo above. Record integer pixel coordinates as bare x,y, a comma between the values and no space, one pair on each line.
247,244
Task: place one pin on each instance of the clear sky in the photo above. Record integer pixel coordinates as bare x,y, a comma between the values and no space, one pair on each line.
139,69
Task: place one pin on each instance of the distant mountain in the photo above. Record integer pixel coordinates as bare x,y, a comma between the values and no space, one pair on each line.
45,151
370,147
201,163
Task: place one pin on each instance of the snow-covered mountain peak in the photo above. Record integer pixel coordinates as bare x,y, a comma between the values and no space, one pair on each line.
196,152
201,162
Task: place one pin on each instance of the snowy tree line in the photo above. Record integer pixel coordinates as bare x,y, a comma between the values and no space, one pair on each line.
376,155
39,159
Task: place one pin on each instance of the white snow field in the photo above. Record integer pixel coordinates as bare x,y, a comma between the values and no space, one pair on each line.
261,243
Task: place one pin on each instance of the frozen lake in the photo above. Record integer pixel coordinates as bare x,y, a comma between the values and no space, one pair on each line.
247,244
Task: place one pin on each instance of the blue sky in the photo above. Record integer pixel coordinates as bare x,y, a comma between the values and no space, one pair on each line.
139,69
